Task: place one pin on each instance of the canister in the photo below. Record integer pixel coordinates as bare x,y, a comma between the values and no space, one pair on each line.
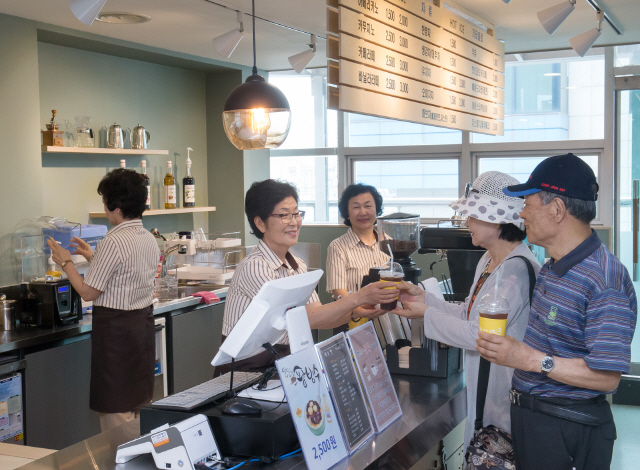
7,313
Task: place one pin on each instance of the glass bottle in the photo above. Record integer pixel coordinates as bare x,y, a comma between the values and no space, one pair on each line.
188,188
123,164
147,182
169,188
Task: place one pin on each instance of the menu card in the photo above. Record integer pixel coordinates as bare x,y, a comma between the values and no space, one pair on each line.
378,386
345,388
311,409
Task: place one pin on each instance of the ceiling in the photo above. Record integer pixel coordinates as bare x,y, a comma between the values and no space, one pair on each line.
187,26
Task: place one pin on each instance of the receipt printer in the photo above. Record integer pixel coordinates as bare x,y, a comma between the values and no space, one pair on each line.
177,447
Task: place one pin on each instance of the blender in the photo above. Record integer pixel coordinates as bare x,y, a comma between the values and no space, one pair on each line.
400,232
84,134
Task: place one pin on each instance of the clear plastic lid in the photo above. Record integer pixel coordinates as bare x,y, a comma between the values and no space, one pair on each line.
493,304
391,270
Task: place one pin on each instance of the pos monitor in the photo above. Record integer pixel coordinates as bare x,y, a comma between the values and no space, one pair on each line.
271,313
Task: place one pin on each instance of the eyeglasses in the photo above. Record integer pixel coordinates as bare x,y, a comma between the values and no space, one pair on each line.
286,218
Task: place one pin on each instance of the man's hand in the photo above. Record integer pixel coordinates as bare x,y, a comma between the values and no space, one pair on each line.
507,351
368,311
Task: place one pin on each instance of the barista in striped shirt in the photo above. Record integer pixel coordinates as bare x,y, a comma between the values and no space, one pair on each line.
120,284
350,256
272,211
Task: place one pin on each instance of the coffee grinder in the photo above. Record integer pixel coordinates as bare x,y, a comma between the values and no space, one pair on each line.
400,232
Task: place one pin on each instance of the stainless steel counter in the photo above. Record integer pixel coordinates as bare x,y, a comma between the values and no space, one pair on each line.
431,407
34,336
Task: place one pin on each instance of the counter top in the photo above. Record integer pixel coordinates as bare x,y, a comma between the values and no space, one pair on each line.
431,409
33,336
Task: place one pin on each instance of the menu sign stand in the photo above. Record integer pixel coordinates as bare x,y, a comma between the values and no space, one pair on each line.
344,385
383,400
312,411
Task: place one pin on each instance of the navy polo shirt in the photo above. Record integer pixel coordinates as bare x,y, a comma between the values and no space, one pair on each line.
584,306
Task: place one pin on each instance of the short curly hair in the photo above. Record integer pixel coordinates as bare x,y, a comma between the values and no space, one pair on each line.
126,190
352,191
262,197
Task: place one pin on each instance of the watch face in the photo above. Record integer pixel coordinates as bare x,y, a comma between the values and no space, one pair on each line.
547,363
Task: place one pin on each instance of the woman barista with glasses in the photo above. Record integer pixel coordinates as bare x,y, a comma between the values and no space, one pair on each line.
272,211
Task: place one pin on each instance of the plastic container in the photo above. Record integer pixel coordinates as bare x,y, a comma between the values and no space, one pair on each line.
494,311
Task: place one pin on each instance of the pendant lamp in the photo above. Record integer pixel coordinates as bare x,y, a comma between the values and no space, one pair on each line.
256,114
87,10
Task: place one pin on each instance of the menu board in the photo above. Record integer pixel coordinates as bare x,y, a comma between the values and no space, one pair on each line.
415,62
311,408
383,400
344,384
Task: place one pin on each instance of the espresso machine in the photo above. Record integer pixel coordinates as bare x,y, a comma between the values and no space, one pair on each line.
452,241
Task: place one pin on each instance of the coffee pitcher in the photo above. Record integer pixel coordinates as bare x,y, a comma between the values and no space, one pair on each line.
139,137
116,136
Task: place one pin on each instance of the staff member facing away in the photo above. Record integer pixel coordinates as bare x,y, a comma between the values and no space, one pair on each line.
272,211
578,340
350,256
120,284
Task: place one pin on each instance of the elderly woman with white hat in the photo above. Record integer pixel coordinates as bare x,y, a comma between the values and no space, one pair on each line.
495,224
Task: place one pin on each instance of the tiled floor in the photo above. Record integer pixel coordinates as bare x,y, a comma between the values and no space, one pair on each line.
626,451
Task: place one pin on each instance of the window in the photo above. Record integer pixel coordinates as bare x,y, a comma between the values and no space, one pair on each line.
312,124
552,99
420,186
627,55
316,178
369,131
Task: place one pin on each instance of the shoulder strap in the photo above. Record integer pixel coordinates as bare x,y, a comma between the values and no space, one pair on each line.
485,366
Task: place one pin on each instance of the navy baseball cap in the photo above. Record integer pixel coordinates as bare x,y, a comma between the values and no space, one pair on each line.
566,175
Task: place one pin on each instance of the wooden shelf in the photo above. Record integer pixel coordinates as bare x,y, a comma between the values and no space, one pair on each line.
90,150
179,210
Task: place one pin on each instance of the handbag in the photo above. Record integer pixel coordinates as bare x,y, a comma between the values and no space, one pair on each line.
491,447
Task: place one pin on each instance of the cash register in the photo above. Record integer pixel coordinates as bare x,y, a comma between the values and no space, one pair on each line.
264,430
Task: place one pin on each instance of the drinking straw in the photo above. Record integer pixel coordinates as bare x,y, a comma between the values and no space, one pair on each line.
391,253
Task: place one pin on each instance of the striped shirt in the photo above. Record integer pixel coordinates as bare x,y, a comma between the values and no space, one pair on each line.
584,306
260,266
349,260
123,267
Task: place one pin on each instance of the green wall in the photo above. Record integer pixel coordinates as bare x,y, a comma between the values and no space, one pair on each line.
168,102
20,191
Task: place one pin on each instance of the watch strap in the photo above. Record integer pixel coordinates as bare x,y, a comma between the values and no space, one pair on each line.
65,262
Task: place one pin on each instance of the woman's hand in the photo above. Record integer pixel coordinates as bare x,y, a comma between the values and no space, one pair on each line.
81,248
411,310
409,290
368,311
376,293
58,254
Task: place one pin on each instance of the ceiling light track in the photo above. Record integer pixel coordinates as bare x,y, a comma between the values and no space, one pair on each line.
267,20
598,5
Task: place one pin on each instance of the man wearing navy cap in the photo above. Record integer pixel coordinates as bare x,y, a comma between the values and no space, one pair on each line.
582,320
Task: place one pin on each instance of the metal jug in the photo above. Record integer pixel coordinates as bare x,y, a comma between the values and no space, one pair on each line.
115,136
139,137
7,313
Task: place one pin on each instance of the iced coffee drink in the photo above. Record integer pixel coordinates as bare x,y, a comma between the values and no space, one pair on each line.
392,274
493,311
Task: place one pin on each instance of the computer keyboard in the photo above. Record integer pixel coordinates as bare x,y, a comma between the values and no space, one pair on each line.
208,391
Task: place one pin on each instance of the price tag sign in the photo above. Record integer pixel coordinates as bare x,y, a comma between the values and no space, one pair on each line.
344,384
312,411
383,400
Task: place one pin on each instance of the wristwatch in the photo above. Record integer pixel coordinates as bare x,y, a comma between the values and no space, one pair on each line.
547,364
64,263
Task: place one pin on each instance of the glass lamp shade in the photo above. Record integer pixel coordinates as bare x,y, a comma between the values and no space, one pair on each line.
256,115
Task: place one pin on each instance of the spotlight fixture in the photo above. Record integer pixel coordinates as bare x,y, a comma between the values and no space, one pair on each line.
301,60
256,114
583,42
226,43
552,18
87,10
506,1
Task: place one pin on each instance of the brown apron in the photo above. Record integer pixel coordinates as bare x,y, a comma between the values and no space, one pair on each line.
258,363
123,350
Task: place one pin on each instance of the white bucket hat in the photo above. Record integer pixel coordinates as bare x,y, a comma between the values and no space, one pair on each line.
488,203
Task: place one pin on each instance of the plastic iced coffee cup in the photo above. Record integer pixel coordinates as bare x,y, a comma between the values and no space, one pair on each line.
391,273
494,311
